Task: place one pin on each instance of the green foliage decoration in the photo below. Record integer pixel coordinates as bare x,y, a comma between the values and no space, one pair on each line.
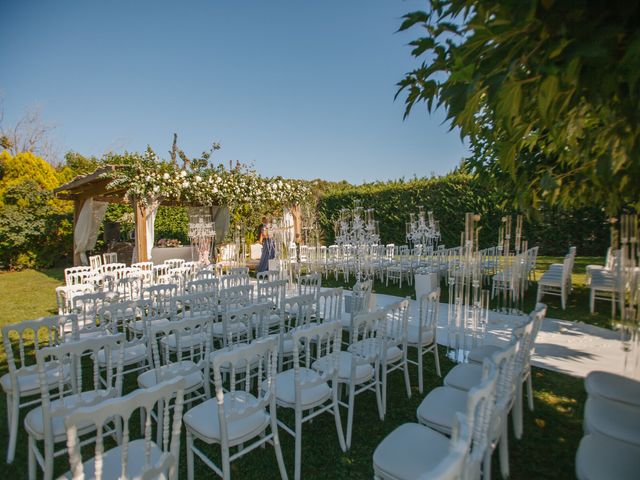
147,177
547,93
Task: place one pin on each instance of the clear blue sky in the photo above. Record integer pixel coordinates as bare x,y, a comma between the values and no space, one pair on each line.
302,89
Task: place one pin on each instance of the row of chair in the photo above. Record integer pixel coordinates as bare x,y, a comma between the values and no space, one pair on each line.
461,423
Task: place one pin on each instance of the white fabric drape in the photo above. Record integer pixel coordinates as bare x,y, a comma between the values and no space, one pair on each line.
152,211
86,229
220,215
289,232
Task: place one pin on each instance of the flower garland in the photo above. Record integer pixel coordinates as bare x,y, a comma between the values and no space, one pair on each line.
146,177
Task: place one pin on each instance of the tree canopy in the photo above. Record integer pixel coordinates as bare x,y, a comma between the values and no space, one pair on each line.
546,91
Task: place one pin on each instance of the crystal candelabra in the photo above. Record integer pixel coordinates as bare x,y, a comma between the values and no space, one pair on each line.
202,232
512,267
625,240
357,231
468,309
423,230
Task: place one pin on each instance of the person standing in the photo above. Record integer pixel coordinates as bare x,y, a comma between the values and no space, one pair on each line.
268,247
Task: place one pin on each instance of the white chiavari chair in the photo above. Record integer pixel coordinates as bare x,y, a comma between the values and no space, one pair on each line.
241,411
21,383
45,423
139,458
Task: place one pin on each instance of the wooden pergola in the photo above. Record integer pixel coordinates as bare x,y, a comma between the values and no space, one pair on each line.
94,185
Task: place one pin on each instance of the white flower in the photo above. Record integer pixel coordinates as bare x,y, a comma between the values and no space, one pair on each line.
215,190
156,189
183,173
198,178
166,176
185,184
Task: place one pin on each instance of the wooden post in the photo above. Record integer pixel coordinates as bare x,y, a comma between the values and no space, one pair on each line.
77,207
141,230
297,223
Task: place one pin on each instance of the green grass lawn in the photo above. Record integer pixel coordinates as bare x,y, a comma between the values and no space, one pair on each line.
547,450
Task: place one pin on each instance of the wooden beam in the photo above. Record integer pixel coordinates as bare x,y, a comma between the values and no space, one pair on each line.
141,230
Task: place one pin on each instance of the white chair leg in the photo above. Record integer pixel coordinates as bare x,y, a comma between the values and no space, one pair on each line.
189,456
32,458
350,414
517,413
13,414
379,395
278,449
486,463
592,300
504,449
407,381
435,354
226,463
298,446
48,461
420,380
384,391
336,415
530,392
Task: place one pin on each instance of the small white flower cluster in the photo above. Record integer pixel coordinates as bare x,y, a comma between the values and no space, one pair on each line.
146,178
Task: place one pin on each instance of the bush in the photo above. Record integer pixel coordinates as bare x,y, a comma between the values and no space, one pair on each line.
34,231
449,197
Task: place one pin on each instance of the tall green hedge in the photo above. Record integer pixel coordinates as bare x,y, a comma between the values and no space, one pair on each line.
449,197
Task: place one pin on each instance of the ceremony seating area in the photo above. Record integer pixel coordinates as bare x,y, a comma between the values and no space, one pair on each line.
238,362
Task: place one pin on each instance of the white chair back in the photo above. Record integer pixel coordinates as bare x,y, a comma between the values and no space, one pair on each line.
174,262
235,297
272,291
329,305
109,257
77,275
81,392
120,462
95,262
309,284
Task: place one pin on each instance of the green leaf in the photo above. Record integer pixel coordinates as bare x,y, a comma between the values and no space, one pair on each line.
547,93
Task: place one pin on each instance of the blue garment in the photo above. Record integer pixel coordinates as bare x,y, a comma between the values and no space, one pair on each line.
268,253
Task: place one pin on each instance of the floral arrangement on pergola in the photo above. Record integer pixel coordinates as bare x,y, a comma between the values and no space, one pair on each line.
147,178
145,181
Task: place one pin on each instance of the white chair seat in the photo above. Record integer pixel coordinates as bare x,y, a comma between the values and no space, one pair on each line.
133,354
604,458
239,364
612,419
112,466
28,383
193,380
203,419
439,408
186,341
413,337
409,451
613,387
478,354
311,395
364,372
138,325
217,328
464,376
34,423
394,353
550,279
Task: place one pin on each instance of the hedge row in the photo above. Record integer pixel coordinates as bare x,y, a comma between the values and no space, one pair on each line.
449,198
